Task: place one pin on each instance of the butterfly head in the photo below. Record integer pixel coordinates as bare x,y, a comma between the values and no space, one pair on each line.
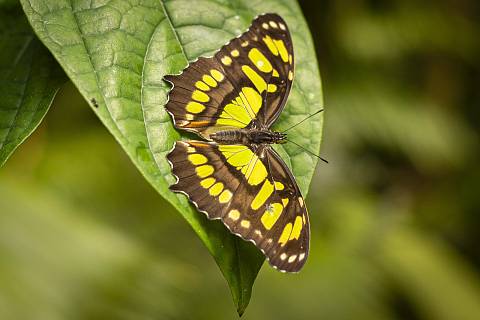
266,137
279,137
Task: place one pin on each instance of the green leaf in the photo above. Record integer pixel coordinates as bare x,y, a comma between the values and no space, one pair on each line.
29,80
119,52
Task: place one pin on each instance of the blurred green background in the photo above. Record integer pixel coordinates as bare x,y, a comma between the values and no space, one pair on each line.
395,215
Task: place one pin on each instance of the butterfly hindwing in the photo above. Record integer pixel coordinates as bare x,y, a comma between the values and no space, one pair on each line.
196,97
246,81
251,191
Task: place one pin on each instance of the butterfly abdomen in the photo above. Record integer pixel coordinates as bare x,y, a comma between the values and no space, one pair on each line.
247,137
230,137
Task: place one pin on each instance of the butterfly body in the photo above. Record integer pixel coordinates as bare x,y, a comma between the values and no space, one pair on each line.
231,100
248,137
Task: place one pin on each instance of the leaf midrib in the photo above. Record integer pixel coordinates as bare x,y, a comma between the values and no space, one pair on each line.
170,23
236,239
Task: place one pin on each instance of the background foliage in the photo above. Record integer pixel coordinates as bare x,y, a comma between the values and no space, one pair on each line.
394,215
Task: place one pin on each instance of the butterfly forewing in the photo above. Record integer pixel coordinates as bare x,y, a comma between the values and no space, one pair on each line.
261,59
252,192
245,83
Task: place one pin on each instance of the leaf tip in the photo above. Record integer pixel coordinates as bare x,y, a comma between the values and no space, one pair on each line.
241,310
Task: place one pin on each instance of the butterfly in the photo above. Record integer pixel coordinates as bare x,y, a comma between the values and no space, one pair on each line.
231,100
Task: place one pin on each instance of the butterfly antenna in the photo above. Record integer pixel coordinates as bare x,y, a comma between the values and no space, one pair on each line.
308,117
310,152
